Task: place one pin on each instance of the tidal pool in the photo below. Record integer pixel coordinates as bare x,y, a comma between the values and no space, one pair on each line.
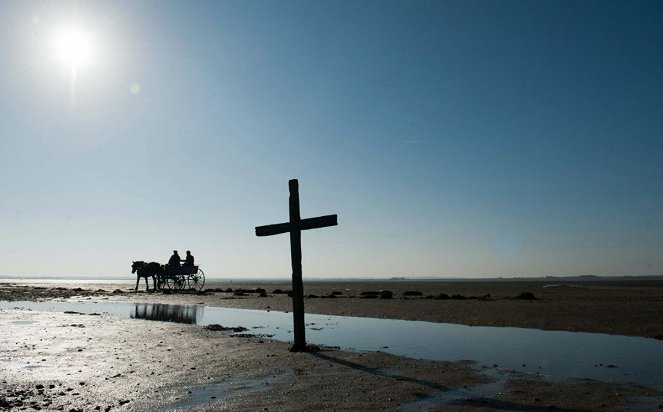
611,358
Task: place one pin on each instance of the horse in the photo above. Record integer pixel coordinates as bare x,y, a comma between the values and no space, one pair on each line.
145,270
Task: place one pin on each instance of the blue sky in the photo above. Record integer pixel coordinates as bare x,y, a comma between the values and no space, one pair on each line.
452,138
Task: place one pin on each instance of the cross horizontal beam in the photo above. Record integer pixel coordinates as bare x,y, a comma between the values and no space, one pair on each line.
303,224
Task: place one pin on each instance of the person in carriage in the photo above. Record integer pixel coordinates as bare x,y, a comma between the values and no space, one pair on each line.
188,261
179,274
174,260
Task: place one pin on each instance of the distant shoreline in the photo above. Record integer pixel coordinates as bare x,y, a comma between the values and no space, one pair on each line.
313,279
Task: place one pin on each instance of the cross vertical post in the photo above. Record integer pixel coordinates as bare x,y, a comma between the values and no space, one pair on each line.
295,227
296,257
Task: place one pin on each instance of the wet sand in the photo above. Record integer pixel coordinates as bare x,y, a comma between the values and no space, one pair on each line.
58,361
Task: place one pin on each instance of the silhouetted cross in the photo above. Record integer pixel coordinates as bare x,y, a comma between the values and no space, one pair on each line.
295,227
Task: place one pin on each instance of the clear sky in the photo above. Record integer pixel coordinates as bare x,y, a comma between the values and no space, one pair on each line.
452,138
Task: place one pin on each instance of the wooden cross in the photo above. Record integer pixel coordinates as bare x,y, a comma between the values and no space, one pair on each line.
295,227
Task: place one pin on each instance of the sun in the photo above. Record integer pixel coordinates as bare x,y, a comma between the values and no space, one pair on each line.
73,47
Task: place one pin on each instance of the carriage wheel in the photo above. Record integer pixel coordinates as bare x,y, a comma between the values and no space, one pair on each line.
175,282
180,282
196,280
170,283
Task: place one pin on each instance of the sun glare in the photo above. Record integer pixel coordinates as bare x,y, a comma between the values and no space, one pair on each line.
73,47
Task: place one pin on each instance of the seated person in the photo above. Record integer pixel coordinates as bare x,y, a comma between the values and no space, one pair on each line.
174,260
189,259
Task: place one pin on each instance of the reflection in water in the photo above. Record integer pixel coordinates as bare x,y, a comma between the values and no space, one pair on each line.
167,313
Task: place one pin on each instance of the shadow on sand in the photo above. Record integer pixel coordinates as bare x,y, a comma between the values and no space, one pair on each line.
379,372
473,396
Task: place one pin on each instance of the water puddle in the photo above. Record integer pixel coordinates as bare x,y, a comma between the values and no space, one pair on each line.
23,322
35,366
610,358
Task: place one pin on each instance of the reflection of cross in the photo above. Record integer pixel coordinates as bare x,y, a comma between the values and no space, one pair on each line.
295,227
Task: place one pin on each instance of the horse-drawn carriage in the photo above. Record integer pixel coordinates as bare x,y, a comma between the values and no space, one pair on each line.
168,277
182,277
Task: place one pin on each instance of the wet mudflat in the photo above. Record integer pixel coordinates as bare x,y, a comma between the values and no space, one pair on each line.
618,307
58,361
610,358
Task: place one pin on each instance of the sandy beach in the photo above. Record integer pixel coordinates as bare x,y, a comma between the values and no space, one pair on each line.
69,361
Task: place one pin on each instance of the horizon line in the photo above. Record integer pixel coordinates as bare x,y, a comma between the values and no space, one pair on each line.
342,278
